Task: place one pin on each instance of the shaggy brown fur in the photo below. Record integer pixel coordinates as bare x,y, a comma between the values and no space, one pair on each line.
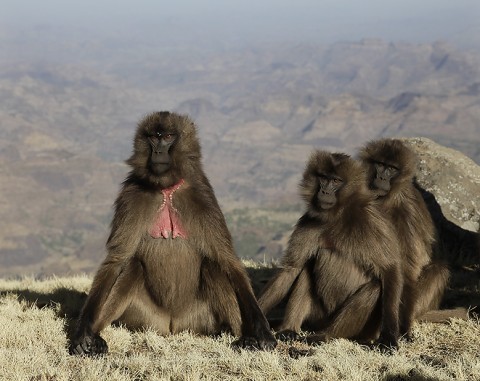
390,161
170,284
341,268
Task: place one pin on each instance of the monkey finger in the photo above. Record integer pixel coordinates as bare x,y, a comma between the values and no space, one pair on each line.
387,350
267,344
99,346
266,340
408,337
252,343
386,346
288,335
89,346
245,342
75,350
82,349
79,347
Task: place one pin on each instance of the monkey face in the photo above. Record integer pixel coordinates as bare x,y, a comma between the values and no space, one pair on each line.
389,163
383,176
327,192
329,180
160,144
165,149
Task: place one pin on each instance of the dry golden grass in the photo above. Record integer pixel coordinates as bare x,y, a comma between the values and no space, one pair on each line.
35,317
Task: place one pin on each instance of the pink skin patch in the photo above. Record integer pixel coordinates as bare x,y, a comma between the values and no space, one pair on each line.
167,220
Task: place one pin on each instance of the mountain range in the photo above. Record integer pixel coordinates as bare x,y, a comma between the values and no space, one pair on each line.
68,114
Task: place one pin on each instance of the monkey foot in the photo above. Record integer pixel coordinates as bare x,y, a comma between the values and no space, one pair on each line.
88,345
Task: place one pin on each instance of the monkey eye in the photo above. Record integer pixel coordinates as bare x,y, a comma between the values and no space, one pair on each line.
153,139
168,138
392,170
165,136
322,178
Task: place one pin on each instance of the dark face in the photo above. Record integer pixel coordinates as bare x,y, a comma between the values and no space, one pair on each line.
160,143
329,185
384,174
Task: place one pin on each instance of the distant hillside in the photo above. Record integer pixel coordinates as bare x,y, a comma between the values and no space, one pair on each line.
68,119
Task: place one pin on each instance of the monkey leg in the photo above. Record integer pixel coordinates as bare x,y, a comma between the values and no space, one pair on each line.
144,312
432,284
358,317
431,287
213,309
106,302
301,305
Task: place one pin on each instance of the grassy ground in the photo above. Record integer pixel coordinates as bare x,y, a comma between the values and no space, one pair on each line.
36,317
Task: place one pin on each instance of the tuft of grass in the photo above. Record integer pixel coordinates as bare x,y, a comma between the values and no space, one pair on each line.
36,317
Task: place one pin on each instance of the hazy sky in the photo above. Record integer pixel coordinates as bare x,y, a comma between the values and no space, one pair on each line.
268,20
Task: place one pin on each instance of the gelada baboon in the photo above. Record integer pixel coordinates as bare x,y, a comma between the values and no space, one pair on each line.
170,263
391,169
341,269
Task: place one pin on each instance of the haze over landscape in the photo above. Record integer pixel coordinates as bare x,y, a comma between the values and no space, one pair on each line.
265,82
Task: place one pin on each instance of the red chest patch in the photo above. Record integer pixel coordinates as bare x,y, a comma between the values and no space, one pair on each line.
166,220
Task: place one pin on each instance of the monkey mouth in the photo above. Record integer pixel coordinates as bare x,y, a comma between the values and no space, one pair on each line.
380,192
326,205
159,168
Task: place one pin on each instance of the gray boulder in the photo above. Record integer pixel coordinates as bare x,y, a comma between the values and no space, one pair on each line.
452,178
450,184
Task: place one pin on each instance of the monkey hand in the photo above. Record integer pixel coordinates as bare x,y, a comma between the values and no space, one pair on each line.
263,339
408,337
288,335
386,344
88,344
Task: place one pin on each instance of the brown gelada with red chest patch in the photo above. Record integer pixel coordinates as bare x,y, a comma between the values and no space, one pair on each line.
170,262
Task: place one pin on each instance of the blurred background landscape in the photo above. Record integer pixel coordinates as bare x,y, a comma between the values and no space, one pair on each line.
266,83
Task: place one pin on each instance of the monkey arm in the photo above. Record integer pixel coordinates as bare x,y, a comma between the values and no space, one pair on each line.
255,328
387,258
301,246
219,249
277,288
392,286
121,245
384,256
110,294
